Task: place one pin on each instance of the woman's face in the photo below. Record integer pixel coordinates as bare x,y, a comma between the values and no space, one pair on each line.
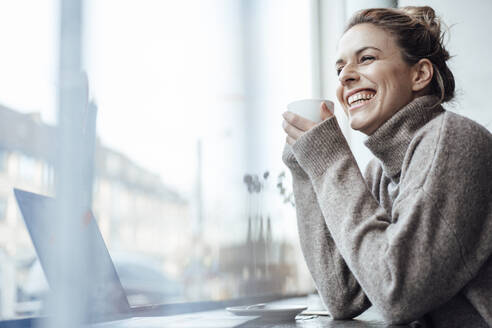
375,81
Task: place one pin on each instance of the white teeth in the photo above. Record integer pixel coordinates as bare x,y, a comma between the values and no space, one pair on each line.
359,96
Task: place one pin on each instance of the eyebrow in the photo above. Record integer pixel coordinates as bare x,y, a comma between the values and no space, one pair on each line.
340,60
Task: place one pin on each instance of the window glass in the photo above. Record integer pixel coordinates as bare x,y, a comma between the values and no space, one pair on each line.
28,34
189,191
3,160
3,209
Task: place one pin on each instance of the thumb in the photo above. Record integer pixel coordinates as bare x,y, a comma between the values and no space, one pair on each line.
325,111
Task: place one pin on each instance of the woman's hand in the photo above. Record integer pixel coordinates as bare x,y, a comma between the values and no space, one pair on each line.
295,126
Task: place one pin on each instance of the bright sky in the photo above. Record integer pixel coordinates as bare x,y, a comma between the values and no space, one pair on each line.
154,92
27,72
152,89
163,73
166,73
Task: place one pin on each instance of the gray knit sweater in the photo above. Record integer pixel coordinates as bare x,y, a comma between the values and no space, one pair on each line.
413,237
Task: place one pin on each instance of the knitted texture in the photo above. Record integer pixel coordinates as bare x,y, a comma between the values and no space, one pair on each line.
413,236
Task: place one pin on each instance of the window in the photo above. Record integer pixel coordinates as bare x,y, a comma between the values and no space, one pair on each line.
3,209
189,100
189,191
3,160
29,170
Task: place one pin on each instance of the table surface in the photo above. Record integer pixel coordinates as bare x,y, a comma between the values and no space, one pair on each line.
370,318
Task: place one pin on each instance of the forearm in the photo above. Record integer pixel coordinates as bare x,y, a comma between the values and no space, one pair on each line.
336,285
338,288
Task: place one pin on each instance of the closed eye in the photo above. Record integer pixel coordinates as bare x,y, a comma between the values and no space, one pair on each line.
366,58
363,59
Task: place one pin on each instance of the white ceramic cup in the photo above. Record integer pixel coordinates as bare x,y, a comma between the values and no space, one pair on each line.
310,108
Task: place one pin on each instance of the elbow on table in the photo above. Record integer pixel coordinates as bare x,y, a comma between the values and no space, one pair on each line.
344,312
347,306
398,319
402,305
394,316
398,315
342,315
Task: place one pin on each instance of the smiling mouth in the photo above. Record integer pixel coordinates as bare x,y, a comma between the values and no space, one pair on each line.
361,98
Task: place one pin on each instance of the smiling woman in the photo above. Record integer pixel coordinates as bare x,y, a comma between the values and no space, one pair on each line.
412,237
375,81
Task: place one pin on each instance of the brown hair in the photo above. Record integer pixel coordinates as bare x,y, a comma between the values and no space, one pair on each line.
417,31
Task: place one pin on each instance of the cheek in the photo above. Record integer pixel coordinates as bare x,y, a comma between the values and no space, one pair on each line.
400,86
400,78
394,83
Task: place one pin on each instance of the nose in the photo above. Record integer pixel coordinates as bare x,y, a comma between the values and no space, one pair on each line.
348,75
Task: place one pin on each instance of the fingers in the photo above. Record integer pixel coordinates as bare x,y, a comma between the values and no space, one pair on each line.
325,111
295,125
292,132
290,140
297,121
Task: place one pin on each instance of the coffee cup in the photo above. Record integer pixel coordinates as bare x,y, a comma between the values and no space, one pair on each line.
310,108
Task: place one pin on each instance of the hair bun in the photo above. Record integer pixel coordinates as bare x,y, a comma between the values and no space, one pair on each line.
426,16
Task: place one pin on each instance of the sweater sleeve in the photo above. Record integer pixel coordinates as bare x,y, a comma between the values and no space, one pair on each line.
338,288
411,260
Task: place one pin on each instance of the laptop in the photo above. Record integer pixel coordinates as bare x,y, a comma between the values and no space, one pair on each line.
107,302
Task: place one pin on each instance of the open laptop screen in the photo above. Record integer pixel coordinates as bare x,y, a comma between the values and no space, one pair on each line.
105,295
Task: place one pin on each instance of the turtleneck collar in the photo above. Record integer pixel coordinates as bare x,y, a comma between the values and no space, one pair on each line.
390,141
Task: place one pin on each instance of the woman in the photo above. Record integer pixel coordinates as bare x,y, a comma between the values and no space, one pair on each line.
413,237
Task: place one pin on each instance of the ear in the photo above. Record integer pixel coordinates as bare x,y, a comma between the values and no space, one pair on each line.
423,71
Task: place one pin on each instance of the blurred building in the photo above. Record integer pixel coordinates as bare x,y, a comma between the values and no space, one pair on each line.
135,210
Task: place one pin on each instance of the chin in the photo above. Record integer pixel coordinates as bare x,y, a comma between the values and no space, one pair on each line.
362,127
357,124
363,121
357,128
